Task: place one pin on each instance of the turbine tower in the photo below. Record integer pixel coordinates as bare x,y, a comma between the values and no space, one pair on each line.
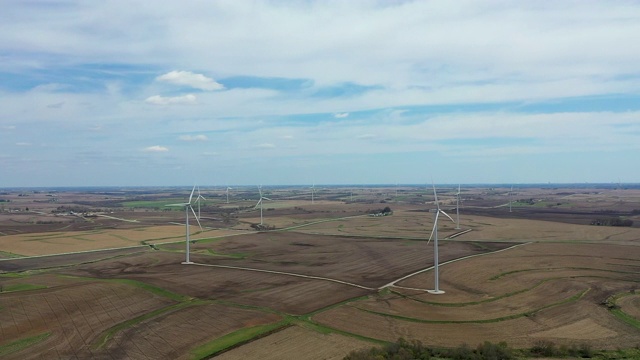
187,206
228,188
434,235
313,190
458,208
510,192
260,202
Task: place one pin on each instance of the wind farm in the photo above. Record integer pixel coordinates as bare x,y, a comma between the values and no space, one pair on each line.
363,274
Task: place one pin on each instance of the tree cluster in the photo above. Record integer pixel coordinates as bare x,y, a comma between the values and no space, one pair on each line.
612,222
415,350
381,212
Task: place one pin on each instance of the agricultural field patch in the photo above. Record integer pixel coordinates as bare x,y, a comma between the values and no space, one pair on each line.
73,311
328,280
290,343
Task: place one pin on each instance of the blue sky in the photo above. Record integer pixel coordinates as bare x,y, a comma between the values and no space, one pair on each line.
130,93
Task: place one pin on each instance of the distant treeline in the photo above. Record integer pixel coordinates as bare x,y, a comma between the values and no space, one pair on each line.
385,211
410,350
612,222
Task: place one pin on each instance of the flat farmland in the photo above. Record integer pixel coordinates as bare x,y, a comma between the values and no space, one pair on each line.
532,292
73,311
173,334
292,342
369,262
630,305
412,224
288,294
35,244
329,280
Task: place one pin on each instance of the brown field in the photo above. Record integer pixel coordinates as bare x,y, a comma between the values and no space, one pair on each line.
540,272
35,244
535,291
292,342
174,334
74,311
630,305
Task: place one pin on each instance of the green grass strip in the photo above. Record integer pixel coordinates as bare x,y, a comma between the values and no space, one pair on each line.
19,287
306,321
617,311
6,254
139,284
496,277
21,344
626,318
232,255
433,303
462,304
151,288
109,333
235,339
503,318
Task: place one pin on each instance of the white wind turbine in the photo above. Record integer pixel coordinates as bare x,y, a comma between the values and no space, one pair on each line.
187,206
458,208
434,235
510,192
260,202
313,191
228,188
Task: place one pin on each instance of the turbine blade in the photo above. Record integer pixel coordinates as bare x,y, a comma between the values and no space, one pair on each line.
266,198
447,215
192,191
259,202
435,223
435,195
195,216
175,205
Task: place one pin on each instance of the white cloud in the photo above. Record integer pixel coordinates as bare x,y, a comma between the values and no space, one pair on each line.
23,144
187,78
156,148
188,99
200,137
366,136
458,56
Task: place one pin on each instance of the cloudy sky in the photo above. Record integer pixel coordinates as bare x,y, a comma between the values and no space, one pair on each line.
129,92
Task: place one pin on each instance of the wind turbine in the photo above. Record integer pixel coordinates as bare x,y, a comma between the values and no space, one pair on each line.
434,235
313,190
199,201
260,202
510,192
458,208
187,206
228,188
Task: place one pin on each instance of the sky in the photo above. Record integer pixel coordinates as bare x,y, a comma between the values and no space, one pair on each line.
172,93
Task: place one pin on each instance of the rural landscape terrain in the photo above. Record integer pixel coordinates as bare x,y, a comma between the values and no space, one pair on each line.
322,271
